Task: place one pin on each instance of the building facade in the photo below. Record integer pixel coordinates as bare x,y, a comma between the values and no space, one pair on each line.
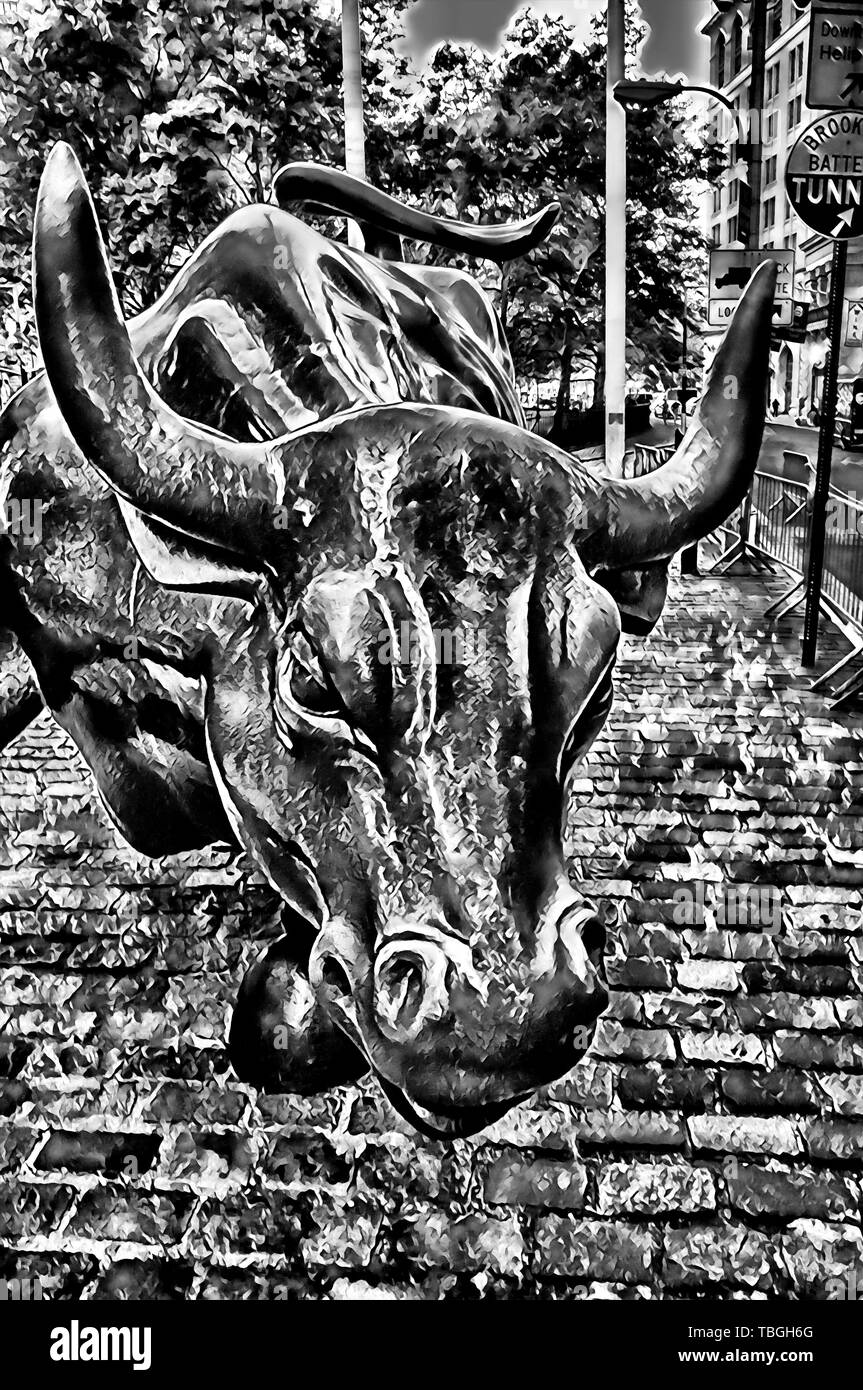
797,370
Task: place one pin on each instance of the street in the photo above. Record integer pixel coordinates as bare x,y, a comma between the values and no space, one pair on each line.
779,439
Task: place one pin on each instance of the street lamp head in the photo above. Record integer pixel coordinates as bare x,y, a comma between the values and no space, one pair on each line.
643,95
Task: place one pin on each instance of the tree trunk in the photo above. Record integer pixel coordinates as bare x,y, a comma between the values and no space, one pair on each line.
562,404
599,382
352,87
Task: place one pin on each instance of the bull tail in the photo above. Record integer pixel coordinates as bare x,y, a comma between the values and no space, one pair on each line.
386,219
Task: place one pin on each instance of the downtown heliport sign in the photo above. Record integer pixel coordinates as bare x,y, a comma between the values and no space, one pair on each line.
824,176
835,58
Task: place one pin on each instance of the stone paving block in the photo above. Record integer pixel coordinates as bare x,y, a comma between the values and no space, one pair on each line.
785,1193
822,1256
434,1237
653,1189
743,1134
589,1249
514,1179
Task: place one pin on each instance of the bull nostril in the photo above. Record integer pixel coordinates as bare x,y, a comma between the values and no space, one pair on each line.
593,938
334,977
402,983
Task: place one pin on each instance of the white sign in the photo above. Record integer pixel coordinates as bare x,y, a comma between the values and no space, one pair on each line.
854,332
730,273
824,176
835,59
720,312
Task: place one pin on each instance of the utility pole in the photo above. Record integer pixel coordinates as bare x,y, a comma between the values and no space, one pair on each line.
615,244
749,212
352,87
814,568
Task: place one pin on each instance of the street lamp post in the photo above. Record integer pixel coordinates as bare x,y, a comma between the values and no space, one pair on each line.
615,243
643,94
352,86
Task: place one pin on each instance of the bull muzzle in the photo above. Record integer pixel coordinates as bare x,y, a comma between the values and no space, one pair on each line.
456,1039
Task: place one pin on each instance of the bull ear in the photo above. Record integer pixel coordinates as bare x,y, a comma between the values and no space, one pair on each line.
639,594
175,561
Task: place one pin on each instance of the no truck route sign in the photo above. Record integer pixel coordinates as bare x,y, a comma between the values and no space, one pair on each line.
824,176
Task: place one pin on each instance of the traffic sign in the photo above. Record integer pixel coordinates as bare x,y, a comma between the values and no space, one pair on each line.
854,331
799,324
835,59
824,176
730,273
857,412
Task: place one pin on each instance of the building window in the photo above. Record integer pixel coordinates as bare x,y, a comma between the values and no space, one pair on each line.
716,234
770,169
717,200
775,28
773,125
719,62
795,64
732,229
737,46
773,81
795,112
769,213
733,192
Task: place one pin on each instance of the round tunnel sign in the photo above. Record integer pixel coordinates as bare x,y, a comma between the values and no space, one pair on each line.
824,176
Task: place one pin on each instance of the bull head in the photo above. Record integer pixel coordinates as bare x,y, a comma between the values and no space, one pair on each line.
407,807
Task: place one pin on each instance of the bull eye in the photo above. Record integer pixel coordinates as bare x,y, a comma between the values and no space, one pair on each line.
310,684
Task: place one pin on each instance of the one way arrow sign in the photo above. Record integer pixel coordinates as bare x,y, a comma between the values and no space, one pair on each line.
853,87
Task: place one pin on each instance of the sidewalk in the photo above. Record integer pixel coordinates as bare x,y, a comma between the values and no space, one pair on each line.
712,1142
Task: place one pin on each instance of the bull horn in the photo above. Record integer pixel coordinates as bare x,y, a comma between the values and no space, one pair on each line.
193,478
650,518
337,191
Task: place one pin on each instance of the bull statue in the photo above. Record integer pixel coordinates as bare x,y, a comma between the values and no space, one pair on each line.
249,494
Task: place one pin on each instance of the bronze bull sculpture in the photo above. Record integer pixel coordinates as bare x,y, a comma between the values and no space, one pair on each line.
298,455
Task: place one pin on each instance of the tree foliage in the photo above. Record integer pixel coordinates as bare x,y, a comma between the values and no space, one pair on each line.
181,112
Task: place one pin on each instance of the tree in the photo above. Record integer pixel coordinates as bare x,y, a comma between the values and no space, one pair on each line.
179,112
489,139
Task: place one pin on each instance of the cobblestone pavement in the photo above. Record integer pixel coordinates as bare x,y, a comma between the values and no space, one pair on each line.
711,1144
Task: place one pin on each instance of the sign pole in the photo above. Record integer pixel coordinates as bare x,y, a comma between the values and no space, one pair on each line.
818,513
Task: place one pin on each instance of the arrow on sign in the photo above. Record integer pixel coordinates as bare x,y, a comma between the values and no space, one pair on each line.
845,220
854,84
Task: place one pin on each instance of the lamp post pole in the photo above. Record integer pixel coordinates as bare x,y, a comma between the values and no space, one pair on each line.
352,87
615,244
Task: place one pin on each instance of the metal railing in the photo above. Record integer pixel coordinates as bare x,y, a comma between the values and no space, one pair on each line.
770,527
644,458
